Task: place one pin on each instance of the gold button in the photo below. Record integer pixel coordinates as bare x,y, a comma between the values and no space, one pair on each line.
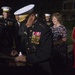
25,33
28,48
27,43
33,26
30,30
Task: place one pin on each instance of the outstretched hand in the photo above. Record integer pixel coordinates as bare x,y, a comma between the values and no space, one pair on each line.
20,58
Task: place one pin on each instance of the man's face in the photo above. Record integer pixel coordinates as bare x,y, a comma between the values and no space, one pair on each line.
30,20
17,17
47,18
5,14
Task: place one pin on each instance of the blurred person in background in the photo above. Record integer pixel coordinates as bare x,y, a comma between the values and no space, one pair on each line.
73,39
47,20
8,30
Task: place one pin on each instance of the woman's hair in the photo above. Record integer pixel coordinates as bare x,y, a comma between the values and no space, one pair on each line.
58,16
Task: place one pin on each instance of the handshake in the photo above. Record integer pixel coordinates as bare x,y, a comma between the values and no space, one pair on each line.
19,57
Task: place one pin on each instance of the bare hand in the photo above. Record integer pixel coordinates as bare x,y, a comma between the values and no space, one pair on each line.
21,58
14,53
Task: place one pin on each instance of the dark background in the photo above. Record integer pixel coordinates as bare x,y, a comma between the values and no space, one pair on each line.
41,6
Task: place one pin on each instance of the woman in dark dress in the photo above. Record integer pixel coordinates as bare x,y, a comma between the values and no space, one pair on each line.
59,52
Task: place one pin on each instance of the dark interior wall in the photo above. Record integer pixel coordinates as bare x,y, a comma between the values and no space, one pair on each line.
41,5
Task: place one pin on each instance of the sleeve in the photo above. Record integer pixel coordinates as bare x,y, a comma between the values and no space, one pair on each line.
64,32
21,31
44,51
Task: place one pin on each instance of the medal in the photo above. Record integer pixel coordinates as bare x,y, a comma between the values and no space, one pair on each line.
35,37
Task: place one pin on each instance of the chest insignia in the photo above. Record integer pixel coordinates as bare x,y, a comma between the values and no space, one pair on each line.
35,37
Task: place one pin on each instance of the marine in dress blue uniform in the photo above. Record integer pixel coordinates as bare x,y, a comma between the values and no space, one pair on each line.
8,29
36,43
47,20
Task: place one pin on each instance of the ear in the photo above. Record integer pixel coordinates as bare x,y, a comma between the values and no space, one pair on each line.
33,16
